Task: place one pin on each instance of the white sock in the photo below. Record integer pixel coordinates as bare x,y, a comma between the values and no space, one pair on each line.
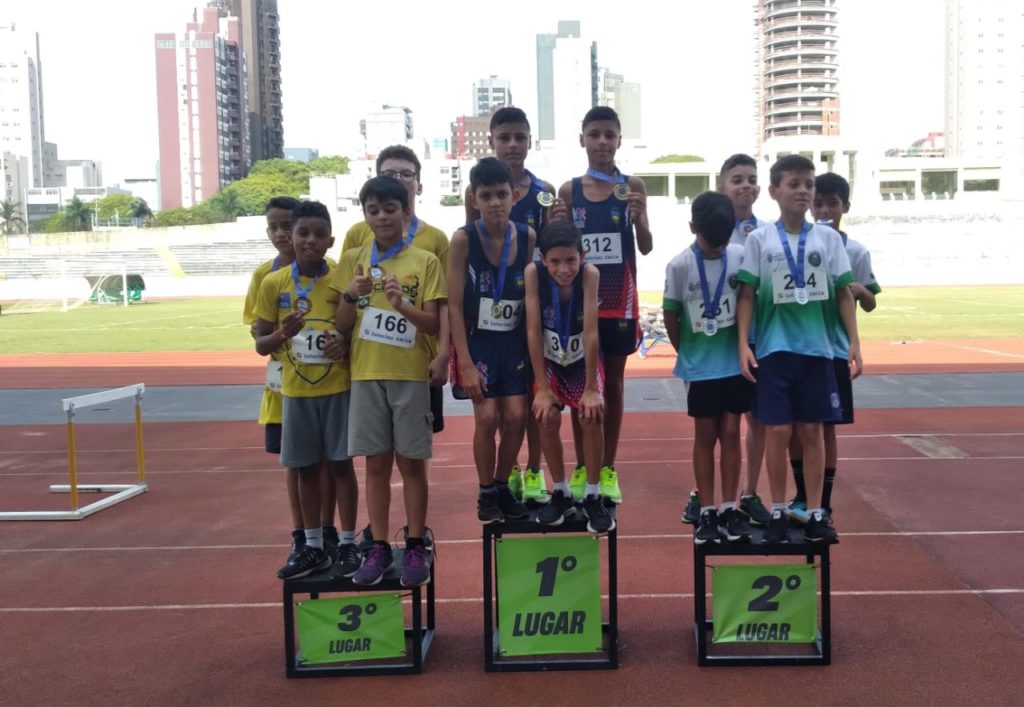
778,507
315,537
705,509
728,506
819,513
593,489
563,486
347,537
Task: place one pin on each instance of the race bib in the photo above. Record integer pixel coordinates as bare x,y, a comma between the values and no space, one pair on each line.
553,350
725,316
784,286
603,248
386,326
273,379
504,317
308,348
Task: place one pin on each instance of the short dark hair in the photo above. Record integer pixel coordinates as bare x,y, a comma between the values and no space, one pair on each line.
789,163
560,234
287,203
311,209
601,113
489,172
831,183
508,114
398,152
713,217
737,160
384,189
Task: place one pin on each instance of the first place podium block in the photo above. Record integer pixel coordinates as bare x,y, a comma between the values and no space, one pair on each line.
542,597
360,632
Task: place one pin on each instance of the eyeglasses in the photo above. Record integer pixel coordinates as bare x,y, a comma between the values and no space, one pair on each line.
404,176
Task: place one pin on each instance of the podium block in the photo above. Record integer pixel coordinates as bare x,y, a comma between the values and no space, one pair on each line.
363,628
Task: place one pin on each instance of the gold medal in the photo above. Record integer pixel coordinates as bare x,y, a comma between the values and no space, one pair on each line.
496,310
545,198
620,191
303,305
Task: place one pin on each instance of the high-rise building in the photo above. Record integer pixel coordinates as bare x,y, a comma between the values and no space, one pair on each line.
469,137
201,89
14,181
391,125
567,85
985,80
797,68
261,44
624,96
491,93
22,131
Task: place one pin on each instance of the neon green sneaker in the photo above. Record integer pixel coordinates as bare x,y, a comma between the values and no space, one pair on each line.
610,484
534,486
515,482
578,483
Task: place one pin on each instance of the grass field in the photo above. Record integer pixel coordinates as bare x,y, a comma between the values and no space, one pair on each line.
215,324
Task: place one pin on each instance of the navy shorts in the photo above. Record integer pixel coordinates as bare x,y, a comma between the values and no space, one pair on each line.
272,437
437,408
619,337
845,387
712,398
502,364
796,388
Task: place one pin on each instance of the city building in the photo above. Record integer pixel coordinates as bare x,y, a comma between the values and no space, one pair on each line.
624,96
436,148
469,137
932,145
22,130
42,203
797,68
77,174
201,85
489,94
146,188
260,38
300,154
567,85
14,180
391,125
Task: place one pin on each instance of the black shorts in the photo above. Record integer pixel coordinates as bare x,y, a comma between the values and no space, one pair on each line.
272,437
437,408
845,387
795,388
619,337
712,398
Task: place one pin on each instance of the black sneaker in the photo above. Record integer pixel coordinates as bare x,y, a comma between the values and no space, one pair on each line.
819,528
753,508
691,514
346,561
307,561
733,526
555,511
298,542
331,539
778,528
599,520
366,540
707,529
511,509
487,509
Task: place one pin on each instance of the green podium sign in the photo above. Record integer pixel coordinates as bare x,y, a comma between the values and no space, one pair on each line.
765,603
549,595
344,629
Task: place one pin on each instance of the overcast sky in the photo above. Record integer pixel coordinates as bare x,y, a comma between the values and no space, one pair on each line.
694,63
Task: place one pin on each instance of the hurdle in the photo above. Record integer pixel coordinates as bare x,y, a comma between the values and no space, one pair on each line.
122,492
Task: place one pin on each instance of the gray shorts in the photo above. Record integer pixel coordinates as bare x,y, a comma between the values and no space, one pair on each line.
391,416
314,429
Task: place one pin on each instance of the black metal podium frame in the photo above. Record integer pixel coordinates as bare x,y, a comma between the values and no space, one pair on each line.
418,637
609,629
796,547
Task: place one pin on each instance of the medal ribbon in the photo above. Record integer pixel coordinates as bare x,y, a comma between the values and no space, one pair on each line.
376,258
301,291
616,179
562,327
739,223
796,268
498,279
410,234
710,305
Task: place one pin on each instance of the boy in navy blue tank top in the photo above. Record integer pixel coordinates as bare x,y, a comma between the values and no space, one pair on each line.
608,207
490,365
561,318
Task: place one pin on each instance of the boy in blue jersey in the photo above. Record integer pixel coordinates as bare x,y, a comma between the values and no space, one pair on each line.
490,364
610,208
831,202
700,318
800,274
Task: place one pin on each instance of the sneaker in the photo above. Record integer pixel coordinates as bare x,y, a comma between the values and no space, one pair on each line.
778,528
534,487
578,482
487,509
733,526
515,482
298,542
377,561
819,529
366,541
797,511
610,484
308,560
416,568
691,514
346,561
510,508
599,520
555,511
707,529
428,537
331,540
756,512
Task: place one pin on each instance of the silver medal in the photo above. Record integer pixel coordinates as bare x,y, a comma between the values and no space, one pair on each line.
376,273
710,327
800,295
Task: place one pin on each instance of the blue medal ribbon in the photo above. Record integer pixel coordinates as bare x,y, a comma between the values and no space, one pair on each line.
562,326
300,291
411,233
752,221
376,258
796,267
276,264
612,179
498,280
536,183
710,305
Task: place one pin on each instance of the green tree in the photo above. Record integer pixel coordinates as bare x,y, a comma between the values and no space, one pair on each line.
227,202
333,164
10,218
677,158
77,216
113,205
140,209
52,224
